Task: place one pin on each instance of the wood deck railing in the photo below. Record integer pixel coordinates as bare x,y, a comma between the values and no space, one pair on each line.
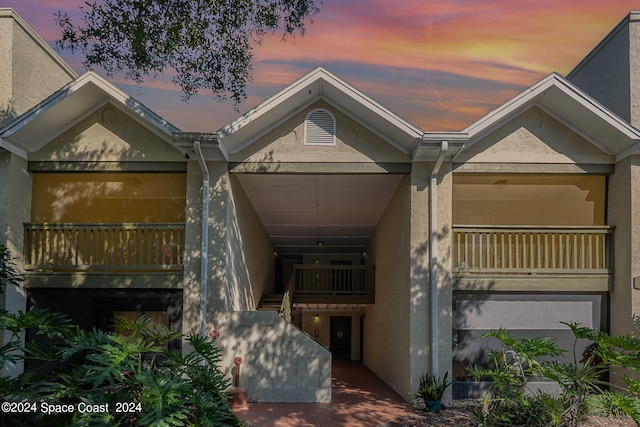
527,250
334,279
104,247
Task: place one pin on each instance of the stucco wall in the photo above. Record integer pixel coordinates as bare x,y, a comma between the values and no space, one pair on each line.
29,70
108,197
420,275
218,234
250,253
634,68
192,251
354,143
280,362
387,322
397,332
309,325
108,135
445,263
15,199
6,108
533,137
35,73
217,247
5,163
623,208
604,73
541,199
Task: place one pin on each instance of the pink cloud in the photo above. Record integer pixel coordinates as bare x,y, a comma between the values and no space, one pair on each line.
504,42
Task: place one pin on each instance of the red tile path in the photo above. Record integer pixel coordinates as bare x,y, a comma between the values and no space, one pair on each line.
358,399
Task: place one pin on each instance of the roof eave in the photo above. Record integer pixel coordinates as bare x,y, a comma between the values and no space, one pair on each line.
319,85
103,92
430,145
542,95
210,145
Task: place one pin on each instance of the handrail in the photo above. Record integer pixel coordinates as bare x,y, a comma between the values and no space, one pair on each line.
532,249
336,282
287,300
334,279
102,247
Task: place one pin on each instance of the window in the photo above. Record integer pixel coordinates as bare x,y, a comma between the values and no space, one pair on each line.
320,128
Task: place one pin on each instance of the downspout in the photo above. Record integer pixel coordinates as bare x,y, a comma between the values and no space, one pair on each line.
204,250
433,251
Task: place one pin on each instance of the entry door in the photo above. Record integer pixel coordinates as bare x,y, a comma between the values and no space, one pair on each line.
340,343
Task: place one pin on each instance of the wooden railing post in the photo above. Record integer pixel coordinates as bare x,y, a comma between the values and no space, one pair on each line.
334,280
104,247
532,249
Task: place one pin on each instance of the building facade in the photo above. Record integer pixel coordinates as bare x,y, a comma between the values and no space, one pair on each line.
320,225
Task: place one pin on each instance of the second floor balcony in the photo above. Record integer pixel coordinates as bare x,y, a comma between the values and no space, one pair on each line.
550,254
329,284
104,247
334,283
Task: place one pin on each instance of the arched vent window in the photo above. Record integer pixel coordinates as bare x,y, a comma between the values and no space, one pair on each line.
320,128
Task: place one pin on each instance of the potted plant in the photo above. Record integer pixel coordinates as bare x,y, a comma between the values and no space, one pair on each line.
430,391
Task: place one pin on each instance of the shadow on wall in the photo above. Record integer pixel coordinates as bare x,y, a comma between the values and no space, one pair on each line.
217,264
7,113
280,362
464,351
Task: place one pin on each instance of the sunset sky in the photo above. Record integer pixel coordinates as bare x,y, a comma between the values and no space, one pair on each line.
439,64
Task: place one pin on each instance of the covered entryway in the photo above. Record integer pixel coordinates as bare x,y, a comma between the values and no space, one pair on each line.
322,181
320,226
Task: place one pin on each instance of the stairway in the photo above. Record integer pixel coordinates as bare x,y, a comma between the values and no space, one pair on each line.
270,302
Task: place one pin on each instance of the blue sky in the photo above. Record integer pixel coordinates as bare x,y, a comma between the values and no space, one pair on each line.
441,65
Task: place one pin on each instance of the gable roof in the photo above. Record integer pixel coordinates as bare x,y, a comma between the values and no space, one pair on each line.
319,84
68,106
570,106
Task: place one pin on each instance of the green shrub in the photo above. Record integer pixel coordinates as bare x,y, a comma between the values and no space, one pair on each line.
431,387
95,378
516,361
8,273
128,377
613,405
539,410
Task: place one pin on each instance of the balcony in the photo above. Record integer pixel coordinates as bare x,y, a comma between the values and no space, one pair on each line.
103,250
332,284
555,256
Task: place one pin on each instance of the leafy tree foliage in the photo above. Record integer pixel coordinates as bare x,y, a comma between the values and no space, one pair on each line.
111,379
205,44
8,273
508,401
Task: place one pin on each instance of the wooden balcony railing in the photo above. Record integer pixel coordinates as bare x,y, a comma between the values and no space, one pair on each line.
335,280
104,247
529,250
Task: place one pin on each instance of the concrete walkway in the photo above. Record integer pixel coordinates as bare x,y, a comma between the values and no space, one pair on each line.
358,399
